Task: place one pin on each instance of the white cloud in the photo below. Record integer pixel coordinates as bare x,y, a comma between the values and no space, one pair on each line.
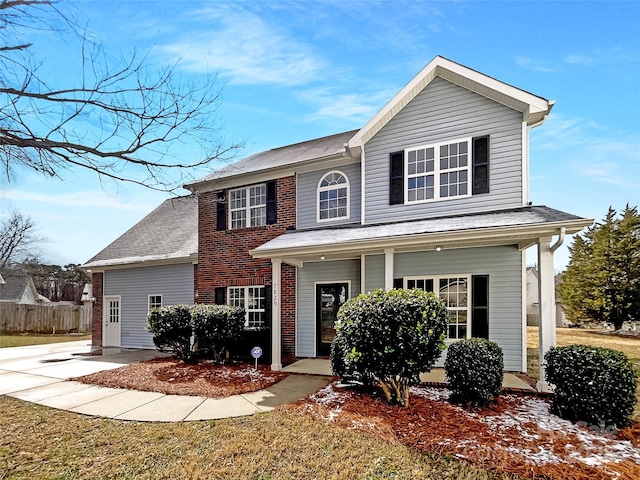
580,60
535,65
246,50
81,200
356,108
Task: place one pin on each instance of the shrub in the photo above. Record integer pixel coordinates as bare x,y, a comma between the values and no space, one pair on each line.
474,369
390,337
592,384
216,327
252,337
171,330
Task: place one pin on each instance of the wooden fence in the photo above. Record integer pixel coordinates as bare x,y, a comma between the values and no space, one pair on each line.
17,318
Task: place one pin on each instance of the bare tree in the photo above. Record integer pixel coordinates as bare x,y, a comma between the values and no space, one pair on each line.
124,119
17,239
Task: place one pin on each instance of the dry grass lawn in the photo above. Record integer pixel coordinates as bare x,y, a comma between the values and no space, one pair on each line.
39,442
630,346
26,339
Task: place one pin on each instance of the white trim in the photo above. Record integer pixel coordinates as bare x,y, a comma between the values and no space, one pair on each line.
437,171
388,268
363,273
105,314
247,208
315,307
436,280
363,187
246,303
319,189
149,301
525,163
523,295
276,314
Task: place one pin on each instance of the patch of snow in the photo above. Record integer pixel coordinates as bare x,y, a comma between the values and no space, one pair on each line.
431,393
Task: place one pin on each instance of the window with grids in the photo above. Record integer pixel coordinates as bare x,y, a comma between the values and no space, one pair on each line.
248,206
437,172
333,196
155,301
252,299
455,292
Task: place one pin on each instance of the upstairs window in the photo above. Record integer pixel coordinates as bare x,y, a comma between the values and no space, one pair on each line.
333,197
436,172
248,206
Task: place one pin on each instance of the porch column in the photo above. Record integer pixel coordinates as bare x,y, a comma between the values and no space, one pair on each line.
388,268
276,324
546,305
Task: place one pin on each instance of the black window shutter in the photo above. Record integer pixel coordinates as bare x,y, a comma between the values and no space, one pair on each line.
219,294
396,178
480,306
272,205
221,212
268,303
480,165
398,283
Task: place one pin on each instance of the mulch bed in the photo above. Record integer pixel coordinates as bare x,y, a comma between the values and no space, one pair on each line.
174,377
517,435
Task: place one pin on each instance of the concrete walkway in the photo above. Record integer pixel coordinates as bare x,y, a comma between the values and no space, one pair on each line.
39,374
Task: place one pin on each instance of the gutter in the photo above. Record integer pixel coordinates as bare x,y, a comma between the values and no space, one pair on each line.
560,240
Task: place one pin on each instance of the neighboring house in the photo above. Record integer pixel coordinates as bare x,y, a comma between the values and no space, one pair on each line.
151,265
21,289
87,297
432,193
533,303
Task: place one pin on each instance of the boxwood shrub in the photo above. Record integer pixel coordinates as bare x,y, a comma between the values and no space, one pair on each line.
216,328
474,370
171,329
389,337
592,384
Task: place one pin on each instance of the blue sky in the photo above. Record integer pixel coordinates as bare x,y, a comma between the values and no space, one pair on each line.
296,70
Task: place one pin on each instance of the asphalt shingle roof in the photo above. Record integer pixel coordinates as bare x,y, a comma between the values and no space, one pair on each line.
170,231
14,287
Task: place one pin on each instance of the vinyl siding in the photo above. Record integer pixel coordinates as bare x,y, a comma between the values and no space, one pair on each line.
307,196
134,285
307,278
502,264
441,112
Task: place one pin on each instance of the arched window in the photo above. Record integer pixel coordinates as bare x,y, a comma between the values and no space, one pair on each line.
333,196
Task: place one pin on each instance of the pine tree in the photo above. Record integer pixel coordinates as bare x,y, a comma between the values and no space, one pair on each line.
602,280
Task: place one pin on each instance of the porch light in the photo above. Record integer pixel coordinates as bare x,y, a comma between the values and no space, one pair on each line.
438,248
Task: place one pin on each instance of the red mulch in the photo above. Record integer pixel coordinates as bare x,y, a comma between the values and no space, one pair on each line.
516,435
174,377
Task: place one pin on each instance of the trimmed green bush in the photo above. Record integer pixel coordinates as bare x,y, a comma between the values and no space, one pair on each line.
171,330
217,327
389,337
592,384
474,370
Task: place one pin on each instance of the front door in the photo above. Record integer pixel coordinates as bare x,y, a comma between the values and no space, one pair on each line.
111,323
329,298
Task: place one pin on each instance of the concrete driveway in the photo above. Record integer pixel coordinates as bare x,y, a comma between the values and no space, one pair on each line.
40,374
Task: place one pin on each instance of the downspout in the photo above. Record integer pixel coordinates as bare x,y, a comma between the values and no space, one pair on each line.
560,240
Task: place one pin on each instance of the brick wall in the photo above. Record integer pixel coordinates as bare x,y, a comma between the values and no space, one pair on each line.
96,320
224,259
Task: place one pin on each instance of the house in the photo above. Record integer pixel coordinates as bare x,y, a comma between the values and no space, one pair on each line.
20,289
432,193
150,265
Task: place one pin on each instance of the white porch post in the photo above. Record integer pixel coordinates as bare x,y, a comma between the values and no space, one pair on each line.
276,324
547,305
388,268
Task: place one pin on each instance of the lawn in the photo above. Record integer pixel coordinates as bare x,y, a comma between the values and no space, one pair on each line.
25,339
40,442
630,346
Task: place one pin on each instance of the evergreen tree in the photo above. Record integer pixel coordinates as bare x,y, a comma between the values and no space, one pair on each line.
602,281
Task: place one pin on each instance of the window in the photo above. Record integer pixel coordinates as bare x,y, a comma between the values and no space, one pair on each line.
455,292
333,196
252,299
248,206
437,172
155,301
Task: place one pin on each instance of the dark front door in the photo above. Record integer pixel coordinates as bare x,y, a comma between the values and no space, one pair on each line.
329,298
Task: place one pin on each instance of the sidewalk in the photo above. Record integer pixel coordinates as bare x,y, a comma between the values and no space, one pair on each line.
39,374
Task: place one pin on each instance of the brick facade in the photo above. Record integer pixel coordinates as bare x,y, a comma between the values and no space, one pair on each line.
96,315
224,259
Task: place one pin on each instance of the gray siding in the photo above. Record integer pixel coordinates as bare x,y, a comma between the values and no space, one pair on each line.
504,267
444,111
134,285
373,272
307,277
307,196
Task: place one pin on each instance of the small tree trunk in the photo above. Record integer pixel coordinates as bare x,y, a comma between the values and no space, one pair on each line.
396,390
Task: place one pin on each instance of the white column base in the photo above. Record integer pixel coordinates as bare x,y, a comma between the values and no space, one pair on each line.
276,367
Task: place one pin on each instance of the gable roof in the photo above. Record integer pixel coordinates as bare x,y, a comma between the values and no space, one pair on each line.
534,108
167,234
15,286
299,153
